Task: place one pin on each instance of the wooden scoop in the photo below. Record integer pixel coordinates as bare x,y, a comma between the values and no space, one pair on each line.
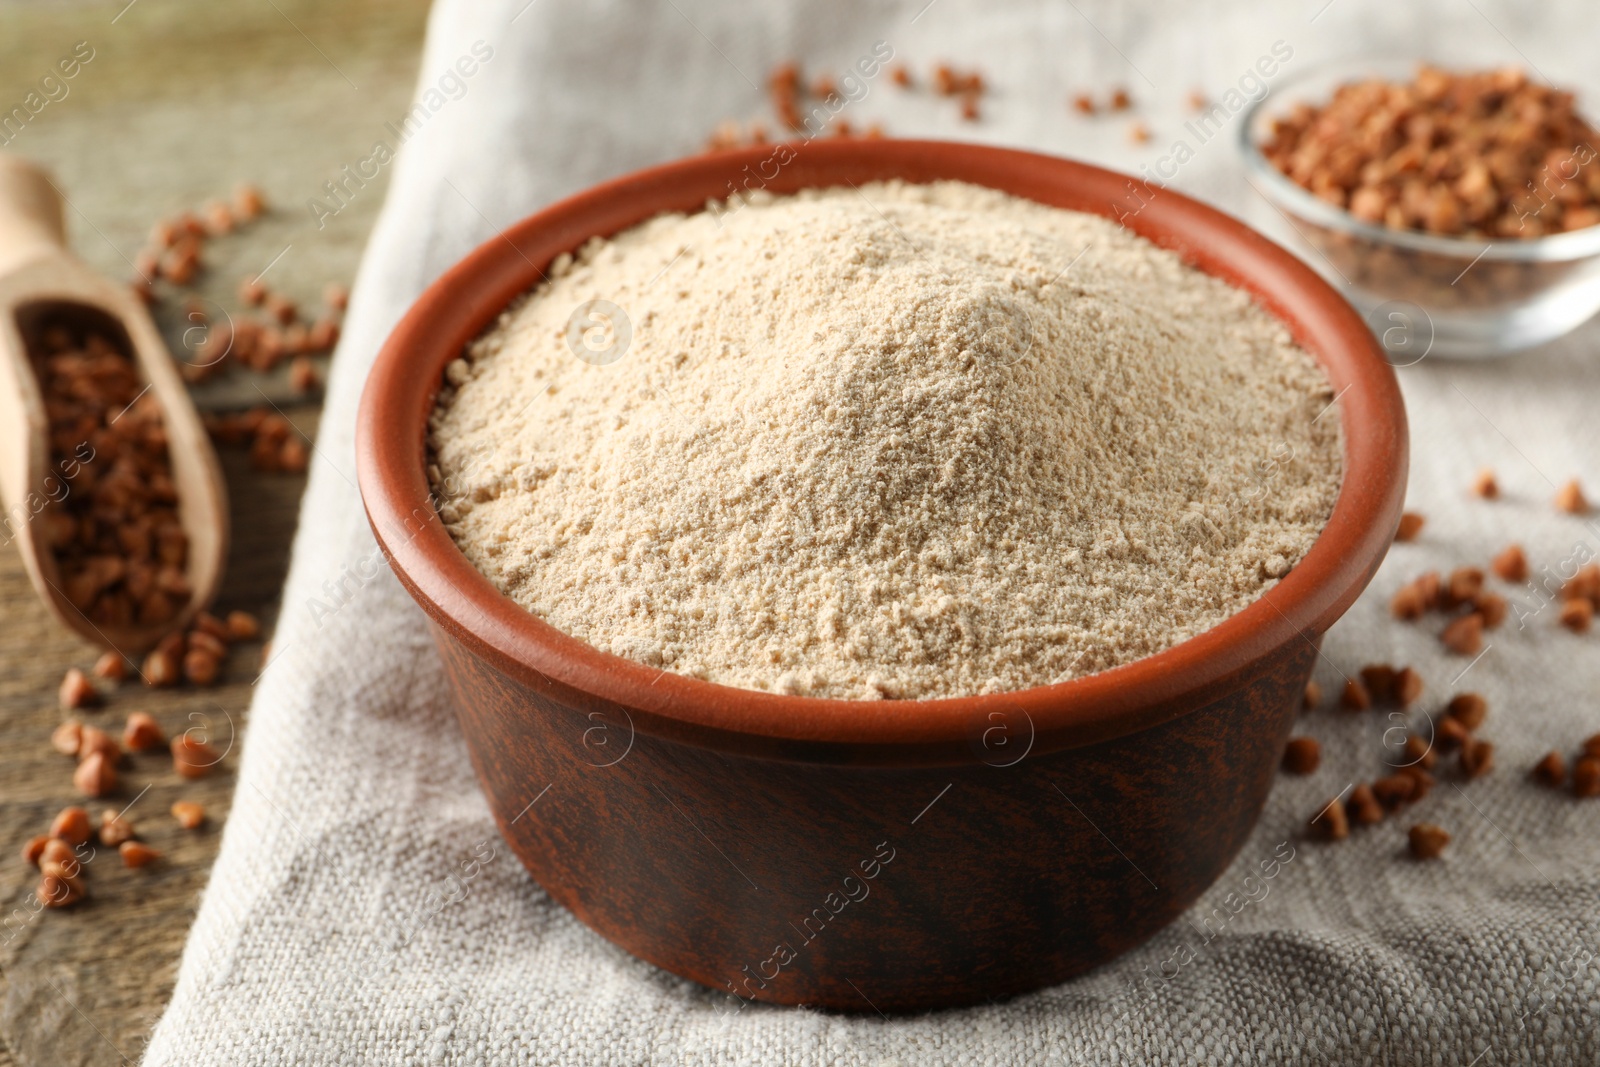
42,283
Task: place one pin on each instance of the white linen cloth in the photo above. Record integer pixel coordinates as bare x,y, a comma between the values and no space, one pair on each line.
363,909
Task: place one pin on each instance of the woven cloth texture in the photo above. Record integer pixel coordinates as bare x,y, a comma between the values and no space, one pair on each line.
363,909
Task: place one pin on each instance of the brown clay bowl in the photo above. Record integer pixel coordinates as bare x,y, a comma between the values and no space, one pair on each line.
894,855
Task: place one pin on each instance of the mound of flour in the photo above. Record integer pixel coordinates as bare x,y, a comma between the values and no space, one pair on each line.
896,441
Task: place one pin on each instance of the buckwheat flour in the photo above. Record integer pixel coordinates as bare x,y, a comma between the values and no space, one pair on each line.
901,441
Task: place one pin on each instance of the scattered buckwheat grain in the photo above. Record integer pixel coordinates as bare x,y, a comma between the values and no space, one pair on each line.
1411,524
1331,823
1428,841
1552,770
95,776
1586,777
1363,808
1570,499
142,733
192,758
1469,709
114,829
1464,636
189,814
1477,757
1576,615
1511,565
1302,755
137,854
67,738
72,826
1355,696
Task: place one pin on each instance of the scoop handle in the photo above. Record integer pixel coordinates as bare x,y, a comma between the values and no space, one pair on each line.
31,225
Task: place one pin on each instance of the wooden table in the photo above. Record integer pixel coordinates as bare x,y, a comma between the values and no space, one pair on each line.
182,100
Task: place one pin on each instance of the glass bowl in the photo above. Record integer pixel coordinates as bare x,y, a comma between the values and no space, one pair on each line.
1422,294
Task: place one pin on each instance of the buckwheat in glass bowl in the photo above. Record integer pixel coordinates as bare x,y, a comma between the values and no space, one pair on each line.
1424,293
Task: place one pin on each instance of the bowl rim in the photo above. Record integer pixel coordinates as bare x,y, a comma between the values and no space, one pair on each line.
1280,190
465,605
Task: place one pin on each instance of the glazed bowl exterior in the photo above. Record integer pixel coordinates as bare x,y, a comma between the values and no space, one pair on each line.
888,855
